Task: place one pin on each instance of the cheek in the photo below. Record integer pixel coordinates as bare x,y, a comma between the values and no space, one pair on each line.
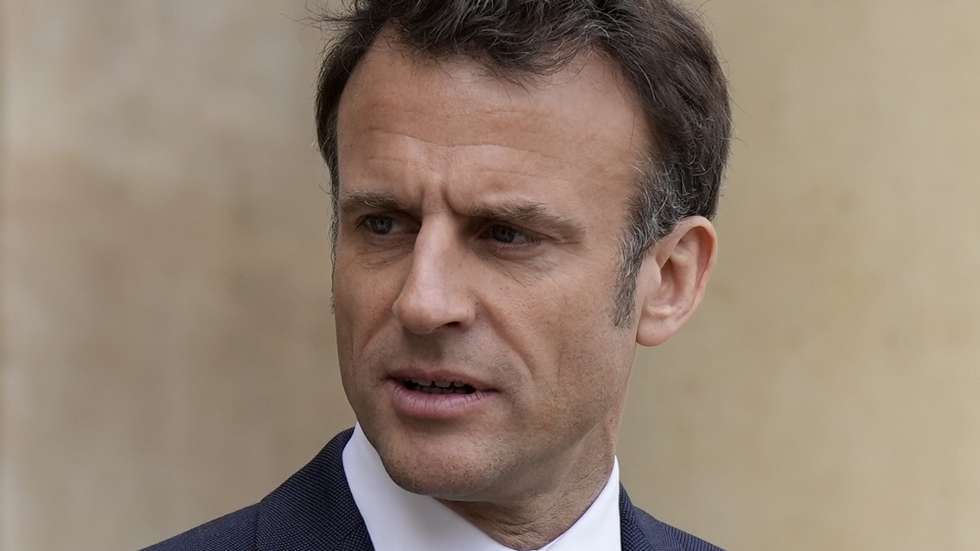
589,358
362,305
591,381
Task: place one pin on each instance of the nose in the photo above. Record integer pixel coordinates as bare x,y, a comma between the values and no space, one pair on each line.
435,294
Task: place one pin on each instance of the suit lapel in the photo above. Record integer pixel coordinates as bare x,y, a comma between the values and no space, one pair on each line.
314,510
639,531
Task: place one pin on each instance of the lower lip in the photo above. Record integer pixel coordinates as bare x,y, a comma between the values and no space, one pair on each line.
422,405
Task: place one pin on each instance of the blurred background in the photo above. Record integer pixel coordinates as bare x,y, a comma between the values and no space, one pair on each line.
167,342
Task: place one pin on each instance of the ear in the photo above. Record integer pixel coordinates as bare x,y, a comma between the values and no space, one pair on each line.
672,280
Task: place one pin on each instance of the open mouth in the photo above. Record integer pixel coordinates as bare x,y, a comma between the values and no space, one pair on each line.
437,387
438,396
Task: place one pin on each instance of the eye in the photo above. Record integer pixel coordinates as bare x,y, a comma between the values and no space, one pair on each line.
507,235
379,225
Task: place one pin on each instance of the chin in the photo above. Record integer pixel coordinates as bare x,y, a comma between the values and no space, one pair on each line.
421,480
456,471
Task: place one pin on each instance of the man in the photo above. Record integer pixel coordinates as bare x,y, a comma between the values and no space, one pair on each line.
522,193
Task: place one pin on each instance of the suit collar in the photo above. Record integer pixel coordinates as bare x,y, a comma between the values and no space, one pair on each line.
640,531
314,509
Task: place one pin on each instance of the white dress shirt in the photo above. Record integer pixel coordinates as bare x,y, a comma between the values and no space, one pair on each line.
398,520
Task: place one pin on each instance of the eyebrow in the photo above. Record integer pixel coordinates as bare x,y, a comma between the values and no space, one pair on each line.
531,214
360,200
519,212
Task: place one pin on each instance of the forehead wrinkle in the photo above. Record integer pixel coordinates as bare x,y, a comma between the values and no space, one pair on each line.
441,154
451,147
505,170
475,118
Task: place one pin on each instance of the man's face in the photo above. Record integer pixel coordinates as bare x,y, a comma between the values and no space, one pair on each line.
478,248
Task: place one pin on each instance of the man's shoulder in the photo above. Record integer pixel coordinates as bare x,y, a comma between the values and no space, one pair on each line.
643,532
294,512
665,536
232,532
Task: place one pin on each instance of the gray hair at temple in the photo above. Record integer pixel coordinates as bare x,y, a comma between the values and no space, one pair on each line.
661,48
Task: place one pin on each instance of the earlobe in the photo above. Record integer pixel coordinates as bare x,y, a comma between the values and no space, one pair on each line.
673,278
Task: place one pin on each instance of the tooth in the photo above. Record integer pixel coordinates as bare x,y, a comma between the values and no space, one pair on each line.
443,384
457,384
422,382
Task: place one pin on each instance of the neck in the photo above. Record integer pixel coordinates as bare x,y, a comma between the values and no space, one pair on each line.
533,521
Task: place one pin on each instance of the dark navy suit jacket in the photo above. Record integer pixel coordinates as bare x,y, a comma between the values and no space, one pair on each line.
314,511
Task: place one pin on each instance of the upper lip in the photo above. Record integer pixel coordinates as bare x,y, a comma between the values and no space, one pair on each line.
420,374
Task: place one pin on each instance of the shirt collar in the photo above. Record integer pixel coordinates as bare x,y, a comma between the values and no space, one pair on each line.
398,520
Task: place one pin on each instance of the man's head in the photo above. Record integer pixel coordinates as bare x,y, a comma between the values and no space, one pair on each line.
663,52
521,193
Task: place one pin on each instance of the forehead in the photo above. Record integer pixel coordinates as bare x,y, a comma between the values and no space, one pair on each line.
580,123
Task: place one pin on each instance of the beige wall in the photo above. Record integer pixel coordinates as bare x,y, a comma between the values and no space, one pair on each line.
167,344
